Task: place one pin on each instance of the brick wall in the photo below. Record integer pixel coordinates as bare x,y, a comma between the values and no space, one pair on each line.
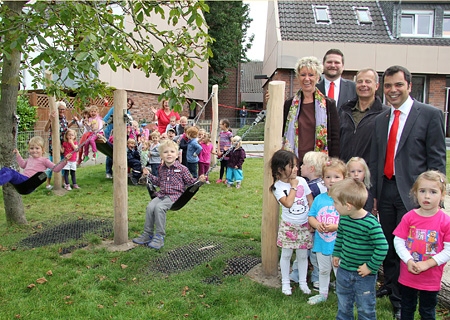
436,91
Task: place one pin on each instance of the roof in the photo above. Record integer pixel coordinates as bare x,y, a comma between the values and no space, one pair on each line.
297,22
248,82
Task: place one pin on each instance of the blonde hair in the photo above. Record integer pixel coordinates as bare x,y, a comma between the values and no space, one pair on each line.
336,164
366,169
430,175
146,145
155,134
236,141
349,191
131,141
315,159
184,118
167,144
93,107
206,138
311,63
37,141
67,131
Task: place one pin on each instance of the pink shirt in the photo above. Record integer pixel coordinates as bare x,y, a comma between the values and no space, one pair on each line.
68,149
35,165
205,154
425,237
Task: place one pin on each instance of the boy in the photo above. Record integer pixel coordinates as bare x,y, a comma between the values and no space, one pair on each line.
133,161
172,180
359,250
172,124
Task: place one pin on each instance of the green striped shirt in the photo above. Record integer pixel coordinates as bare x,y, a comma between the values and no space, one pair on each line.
360,241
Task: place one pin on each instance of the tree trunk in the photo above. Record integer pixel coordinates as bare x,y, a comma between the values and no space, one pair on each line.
13,204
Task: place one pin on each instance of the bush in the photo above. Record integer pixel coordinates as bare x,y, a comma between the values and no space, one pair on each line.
256,134
27,114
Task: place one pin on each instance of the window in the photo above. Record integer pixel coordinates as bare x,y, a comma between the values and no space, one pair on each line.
321,14
446,24
417,23
363,15
418,88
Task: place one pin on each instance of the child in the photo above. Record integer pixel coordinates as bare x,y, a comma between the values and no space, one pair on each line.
225,136
173,179
170,134
145,153
172,123
86,132
34,164
293,194
95,123
357,169
192,151
133,161
201,134
311,170
155,159
324,218
204,158
234,164
181,127
421,241
69,149
359,251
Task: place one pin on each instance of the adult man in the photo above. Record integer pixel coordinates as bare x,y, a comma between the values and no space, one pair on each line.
357,117
331,84
398,155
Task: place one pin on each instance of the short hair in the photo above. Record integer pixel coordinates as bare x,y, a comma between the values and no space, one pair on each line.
192,132
93,108
225,122
375,73
173,118
336,164
167,143
395,69
155,134
366,169
131,141
315,159
37,141
183,118
430,175
61,103
349,191
333,51
237,141
311,63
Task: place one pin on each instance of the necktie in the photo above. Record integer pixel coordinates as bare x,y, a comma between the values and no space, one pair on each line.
390,150
331,90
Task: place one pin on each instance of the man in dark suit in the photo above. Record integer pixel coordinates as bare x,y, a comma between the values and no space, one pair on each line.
418,146
341,90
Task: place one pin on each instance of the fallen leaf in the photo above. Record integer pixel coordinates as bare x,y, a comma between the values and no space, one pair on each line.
49,273
100,306
128,303
17,316
186,315
123,266
66,297
101,278
201,295
31,286
114,260
134,279
88,267
246,216
41,280
185,290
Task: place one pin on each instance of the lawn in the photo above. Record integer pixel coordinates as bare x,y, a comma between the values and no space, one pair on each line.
196,275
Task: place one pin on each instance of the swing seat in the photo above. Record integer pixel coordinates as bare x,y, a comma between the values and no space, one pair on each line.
104,148
31,184
186,196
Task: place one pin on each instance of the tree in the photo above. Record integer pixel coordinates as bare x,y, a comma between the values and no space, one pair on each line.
70,38
228,23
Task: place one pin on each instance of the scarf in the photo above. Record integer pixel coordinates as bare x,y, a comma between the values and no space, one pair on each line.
290,139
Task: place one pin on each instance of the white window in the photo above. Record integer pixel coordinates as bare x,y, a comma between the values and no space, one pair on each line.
321,14
417,23
446,24
363,15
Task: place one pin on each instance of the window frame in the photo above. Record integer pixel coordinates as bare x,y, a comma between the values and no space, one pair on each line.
415,14
445,16
316,9
361,21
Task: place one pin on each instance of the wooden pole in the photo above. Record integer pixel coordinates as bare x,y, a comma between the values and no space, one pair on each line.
272,143
56,139
120,181
215,120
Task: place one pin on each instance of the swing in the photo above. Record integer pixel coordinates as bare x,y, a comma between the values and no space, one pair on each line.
104,148
191,190
29,185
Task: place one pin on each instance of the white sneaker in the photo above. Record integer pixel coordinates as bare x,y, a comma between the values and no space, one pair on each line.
49,187
109,176
67,187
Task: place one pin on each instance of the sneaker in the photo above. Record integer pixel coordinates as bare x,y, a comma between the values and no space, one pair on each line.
316,285
67,187
75,186
134,181
219,181
228,185
225,181
143,239
316,299
207,182
157,242
287,290
109,176
85,159
238,186
49,187
305,289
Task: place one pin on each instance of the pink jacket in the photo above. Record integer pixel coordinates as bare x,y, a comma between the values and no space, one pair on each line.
35,165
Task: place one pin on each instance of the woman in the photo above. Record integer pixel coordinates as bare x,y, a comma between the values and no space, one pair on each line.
162,116
311,121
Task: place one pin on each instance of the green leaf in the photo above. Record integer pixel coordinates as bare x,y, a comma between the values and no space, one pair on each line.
81,56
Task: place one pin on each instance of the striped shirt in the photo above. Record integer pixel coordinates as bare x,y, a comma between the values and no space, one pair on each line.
360,241
172,180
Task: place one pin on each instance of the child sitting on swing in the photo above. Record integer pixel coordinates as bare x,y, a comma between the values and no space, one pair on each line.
172,181
34,164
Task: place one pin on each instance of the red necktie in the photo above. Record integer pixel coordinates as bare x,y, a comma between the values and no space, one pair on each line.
390,150
331,90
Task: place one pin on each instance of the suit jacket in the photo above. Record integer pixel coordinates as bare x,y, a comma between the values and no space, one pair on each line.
347,91
421,148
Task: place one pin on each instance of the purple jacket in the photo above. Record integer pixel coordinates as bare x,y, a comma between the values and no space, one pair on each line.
236,158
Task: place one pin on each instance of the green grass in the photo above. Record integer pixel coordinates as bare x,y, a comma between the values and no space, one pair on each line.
99,284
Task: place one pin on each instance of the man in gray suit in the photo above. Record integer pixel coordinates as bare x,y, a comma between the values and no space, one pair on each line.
333,66
418,146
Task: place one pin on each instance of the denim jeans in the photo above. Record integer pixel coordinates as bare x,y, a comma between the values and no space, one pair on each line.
351,288
109,165
427,303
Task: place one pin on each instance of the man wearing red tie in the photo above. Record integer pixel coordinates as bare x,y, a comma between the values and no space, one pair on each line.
408,139
331,84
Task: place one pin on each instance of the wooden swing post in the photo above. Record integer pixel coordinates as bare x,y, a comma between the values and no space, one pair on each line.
272,143
120,181
215,120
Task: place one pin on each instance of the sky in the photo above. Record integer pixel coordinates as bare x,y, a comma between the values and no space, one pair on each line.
258,12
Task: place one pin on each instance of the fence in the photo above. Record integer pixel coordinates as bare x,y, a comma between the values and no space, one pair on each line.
25,136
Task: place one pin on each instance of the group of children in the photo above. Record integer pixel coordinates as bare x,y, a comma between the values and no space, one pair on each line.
326,215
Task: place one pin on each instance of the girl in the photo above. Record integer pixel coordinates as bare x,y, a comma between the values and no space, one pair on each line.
234,163
422,243
145,153
34,164
86,132
96,125
69,149
155,159
201,134
295,197
192,151
324,218
225,136
204,158
357,169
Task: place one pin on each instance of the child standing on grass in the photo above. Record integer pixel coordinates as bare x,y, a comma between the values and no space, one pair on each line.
234,164
155,159
422,242
359,251
69,149
173,179
34,164
324,218
193,150
293,194
358,169
224,144
133,161
204,158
